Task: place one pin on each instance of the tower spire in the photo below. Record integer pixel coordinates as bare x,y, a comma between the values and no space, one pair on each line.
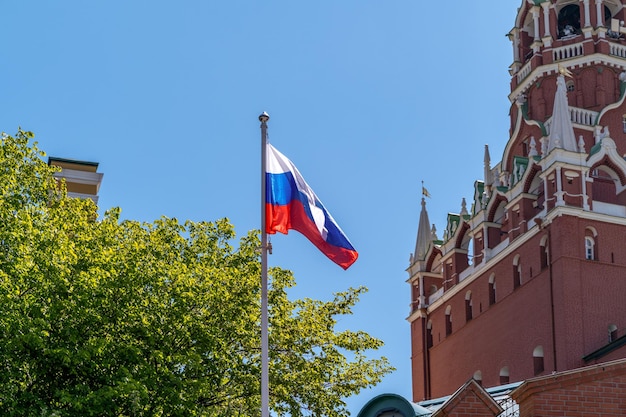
561,129
487,162
424,233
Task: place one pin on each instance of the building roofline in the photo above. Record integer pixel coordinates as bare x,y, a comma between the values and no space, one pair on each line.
71,161
610,347
566,378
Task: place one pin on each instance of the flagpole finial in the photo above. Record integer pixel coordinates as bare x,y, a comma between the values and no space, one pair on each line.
264,117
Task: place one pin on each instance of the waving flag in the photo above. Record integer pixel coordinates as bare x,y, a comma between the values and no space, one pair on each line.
291,204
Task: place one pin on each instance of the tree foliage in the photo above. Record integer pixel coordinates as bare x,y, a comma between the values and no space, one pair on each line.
111,317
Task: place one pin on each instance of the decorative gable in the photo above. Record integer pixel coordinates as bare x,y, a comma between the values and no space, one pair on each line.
471,400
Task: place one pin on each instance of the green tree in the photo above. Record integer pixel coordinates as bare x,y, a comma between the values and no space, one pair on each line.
110,317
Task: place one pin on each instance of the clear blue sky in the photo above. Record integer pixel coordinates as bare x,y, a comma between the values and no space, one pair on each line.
367,98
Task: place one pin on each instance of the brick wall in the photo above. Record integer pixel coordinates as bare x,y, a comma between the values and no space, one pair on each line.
587,296
471,400
594,391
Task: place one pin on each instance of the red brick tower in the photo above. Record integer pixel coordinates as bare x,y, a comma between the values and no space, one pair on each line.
531,279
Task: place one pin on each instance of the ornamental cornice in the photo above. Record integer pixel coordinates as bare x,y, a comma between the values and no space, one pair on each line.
544,220
420,313
518,242
561,157
518,198
581,62
423,274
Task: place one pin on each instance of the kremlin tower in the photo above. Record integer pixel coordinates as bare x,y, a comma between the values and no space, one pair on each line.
529,277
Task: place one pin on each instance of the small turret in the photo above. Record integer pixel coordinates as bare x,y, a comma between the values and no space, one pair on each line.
487,162
561,129
424,235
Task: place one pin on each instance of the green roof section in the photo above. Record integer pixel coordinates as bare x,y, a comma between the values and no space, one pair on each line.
525,116
502,188
520,164
452,223
52,159
478,203
595,148
393,403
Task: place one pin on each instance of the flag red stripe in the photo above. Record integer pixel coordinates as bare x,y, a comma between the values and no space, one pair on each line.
292,216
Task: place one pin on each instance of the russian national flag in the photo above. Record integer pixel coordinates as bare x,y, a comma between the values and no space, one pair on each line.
291,204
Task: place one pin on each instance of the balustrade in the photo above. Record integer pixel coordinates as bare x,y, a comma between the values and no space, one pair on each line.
567,52
617,50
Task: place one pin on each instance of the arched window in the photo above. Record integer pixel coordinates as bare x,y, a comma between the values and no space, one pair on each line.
569,20
607,16
429,334
590,248
504,375
612,333
492,289
437,266
527,34
500,215
468,306
433,290
517,272
604,185
591,243
538,360
448,320
415,296
543,252
536,188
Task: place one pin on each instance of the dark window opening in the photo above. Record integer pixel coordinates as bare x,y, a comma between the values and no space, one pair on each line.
517,276
543,253
538,364
612,333
569,21
504,375
590,248
468,310
607,17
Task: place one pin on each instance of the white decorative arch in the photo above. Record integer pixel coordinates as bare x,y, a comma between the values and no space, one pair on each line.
592,230
608,149
614,7
478,376
558,6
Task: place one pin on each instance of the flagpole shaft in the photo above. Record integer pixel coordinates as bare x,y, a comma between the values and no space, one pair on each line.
263,118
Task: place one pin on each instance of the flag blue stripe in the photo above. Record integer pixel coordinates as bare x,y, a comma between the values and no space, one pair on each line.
281,190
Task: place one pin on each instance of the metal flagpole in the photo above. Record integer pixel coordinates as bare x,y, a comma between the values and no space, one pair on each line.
265,391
